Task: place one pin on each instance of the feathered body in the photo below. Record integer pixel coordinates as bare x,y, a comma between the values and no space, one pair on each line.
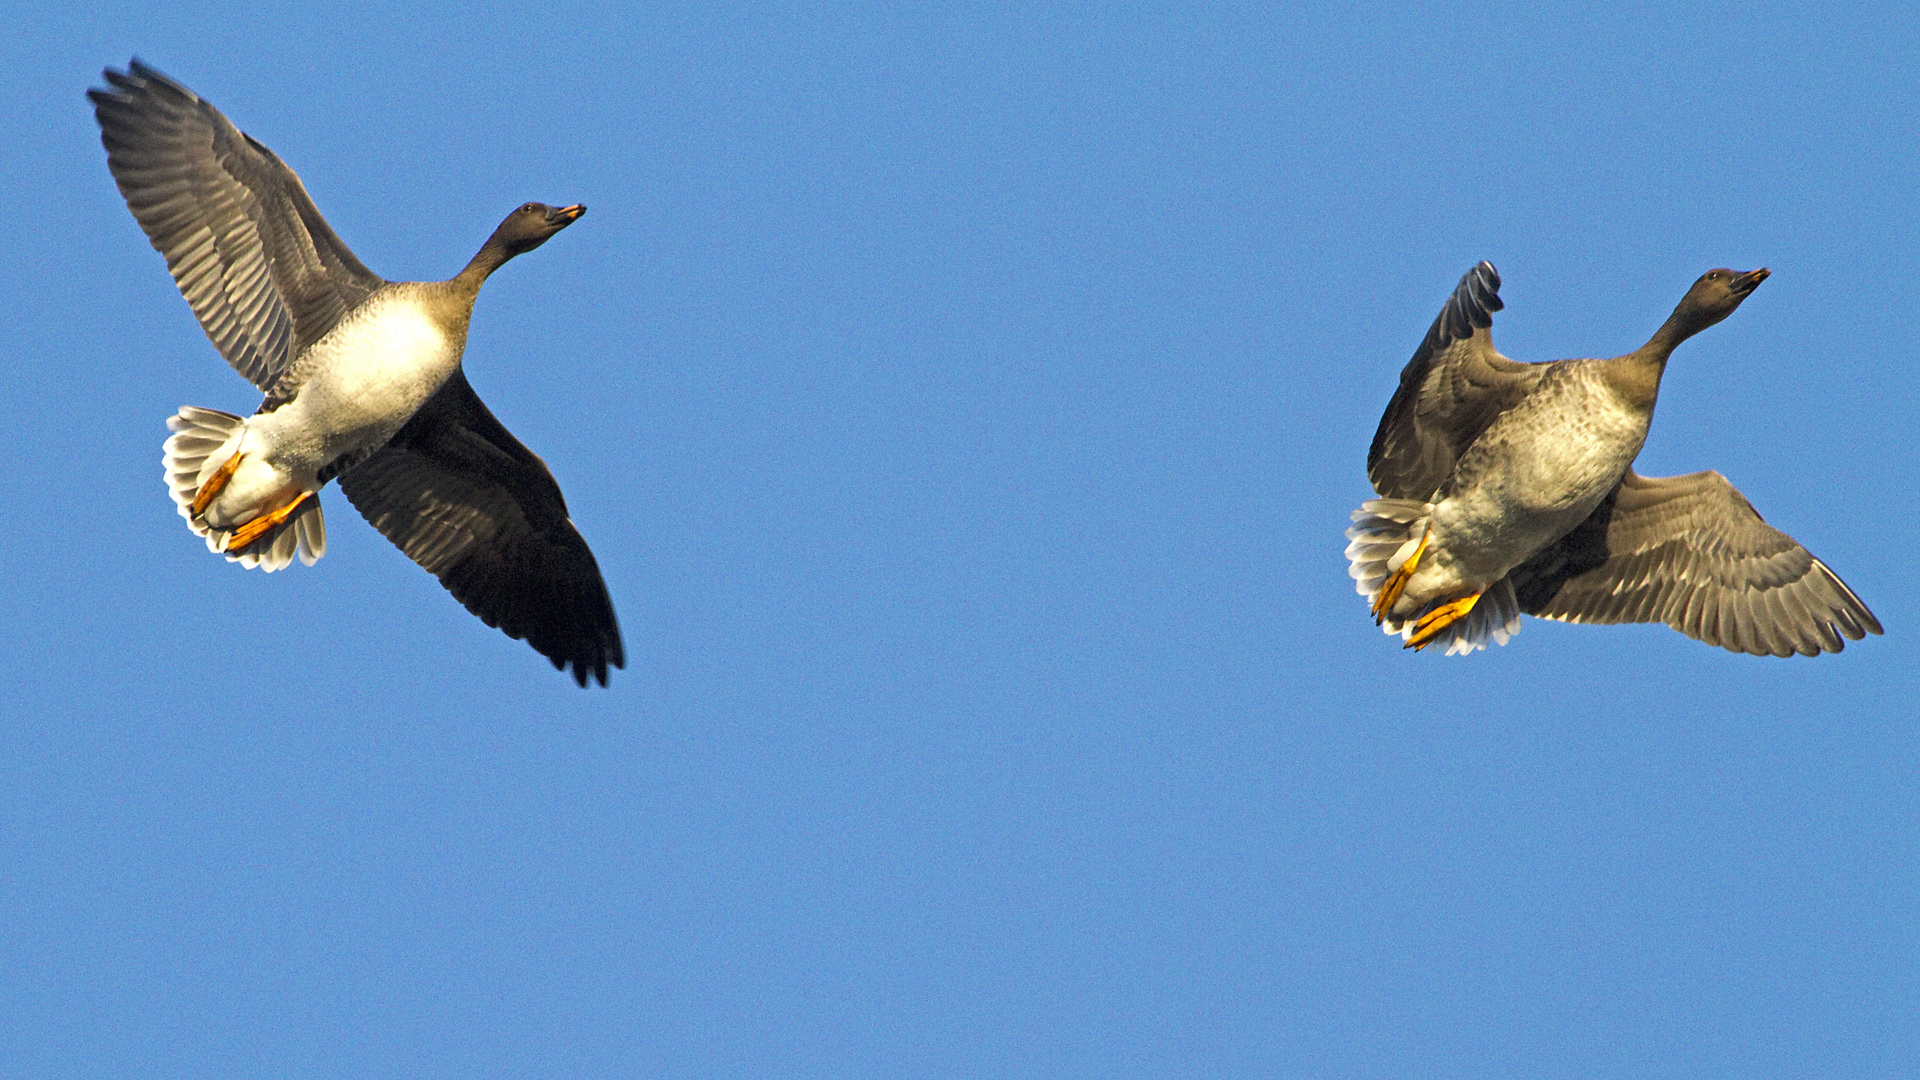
1508,487
361,377
1536,472
346,396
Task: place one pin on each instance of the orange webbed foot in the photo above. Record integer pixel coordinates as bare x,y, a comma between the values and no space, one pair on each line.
1396,582
244,536
215,484
1434,622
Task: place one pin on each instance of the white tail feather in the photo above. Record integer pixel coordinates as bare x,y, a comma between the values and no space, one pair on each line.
1495,617
312,526
202,441
1384,535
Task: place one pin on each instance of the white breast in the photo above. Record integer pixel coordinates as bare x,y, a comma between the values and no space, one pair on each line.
363,381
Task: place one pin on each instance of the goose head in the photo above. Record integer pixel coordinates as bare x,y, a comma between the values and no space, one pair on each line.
531,225
1714,297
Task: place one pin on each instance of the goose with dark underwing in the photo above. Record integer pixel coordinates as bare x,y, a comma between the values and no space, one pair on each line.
362,380
1507,488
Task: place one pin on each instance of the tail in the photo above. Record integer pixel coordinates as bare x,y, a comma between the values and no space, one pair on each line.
1496,616
1384,534
202,441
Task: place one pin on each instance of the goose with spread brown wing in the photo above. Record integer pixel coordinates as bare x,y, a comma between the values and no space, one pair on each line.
1506,488
362,381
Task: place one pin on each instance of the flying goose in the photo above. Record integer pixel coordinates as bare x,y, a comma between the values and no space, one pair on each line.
362,381
1506,488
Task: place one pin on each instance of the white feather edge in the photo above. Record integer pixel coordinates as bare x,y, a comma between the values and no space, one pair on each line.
202,440
1383,536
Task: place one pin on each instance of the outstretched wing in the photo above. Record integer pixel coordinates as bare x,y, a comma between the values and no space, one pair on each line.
264,273
1455,385
1691,552
464,499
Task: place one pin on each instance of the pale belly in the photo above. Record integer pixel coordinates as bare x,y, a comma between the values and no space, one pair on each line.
1528,491
365,380
368,378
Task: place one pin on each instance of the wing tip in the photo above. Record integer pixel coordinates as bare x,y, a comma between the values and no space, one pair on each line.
1475,299
1487,279
592,666
138,76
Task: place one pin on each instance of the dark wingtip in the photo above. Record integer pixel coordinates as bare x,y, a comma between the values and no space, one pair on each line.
583,670
136,71
1470,308
1486,290
140,77
596,669
117,82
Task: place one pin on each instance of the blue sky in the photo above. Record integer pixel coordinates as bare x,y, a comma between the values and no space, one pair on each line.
965,407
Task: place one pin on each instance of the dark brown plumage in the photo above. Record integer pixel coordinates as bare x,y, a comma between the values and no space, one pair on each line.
481,512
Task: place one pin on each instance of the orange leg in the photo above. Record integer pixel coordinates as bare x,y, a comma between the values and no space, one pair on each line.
1433,622
244,536
1396,582
215,484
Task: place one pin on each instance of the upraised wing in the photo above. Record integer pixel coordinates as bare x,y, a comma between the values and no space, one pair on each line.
1691,552
261,268
467,501
1455,385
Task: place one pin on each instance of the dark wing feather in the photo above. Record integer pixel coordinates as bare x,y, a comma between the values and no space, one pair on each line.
464,499
262,270
1691,552
1455,385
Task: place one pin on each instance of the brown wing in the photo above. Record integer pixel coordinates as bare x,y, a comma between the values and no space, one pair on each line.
1449,392
262,270
1691,552
464,499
